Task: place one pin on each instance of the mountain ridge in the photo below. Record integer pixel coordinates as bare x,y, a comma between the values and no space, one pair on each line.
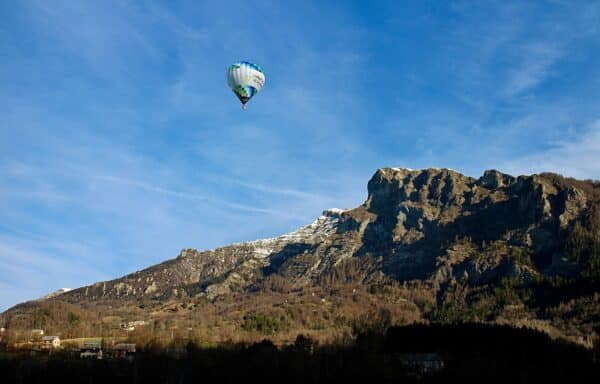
434,228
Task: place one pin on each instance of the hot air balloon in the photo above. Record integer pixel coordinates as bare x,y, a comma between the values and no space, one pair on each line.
245,80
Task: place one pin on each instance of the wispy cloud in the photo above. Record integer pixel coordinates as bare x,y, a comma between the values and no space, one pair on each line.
189,196
151,188
29,263
579,157
535,66
277,190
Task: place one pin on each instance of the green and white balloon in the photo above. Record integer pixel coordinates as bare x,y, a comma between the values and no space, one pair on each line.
245,80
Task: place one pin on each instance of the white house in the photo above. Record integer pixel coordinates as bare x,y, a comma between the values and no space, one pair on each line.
92,345
91,350
89,354
51,342
130,326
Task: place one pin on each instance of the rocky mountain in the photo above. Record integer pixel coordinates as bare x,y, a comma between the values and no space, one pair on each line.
434,228
408,227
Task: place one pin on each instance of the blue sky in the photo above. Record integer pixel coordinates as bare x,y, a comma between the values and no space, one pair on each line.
120,143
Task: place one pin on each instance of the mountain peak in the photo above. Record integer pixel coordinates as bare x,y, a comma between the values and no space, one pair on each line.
333,212
493,179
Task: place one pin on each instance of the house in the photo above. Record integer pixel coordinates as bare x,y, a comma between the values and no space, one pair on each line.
92,345
130,325
88,354
91,350
50,342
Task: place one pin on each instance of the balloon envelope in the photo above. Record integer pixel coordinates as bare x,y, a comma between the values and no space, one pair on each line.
245,80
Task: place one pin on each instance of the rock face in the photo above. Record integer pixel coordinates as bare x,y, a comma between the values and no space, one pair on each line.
415,224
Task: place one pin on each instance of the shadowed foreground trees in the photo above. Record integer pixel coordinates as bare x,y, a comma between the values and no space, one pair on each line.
471,353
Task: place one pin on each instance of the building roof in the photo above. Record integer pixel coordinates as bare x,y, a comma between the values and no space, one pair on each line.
50,338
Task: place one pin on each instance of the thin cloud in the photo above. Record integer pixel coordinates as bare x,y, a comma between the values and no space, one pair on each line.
28,265
579,158
175,24
277,190
537,60
190,196
152,188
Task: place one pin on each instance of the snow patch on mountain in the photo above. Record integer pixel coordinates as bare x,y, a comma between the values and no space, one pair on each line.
322,227
55,293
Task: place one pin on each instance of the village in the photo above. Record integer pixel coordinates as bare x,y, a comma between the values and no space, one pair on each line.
37,342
